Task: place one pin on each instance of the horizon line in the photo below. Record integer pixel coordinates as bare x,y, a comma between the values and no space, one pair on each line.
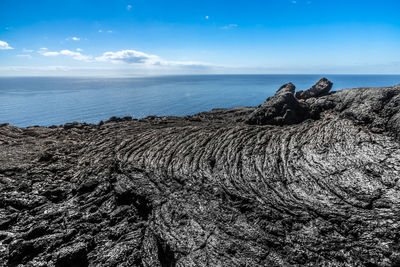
191,74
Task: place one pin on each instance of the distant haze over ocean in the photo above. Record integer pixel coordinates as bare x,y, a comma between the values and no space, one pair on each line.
45,101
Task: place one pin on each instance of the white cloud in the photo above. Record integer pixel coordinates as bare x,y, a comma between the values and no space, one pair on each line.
129,56
109,31
27,50
43,49
230,26
69,53
207,17
24,56
128,7
79,50
137,57
50,54
74,55
5,46
74,38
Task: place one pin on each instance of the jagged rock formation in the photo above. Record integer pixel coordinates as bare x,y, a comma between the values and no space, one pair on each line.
281,109
322,87
210,189
285,108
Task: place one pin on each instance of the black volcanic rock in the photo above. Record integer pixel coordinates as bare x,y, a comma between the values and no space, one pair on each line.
210,189
322,87
280,109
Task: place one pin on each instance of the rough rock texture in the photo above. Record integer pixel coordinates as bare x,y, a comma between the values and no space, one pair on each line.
281,109
208,190
322,87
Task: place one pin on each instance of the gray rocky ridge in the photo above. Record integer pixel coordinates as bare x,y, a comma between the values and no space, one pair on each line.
311,180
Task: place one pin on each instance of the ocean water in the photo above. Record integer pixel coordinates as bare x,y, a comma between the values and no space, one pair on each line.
52,101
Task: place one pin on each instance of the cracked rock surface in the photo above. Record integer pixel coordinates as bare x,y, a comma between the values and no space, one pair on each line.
211,189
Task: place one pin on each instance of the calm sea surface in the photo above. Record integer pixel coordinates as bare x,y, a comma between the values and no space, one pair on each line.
49,101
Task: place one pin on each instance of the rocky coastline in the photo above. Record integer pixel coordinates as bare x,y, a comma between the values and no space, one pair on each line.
308,178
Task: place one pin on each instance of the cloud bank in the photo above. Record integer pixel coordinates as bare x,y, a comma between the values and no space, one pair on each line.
137,57
130,59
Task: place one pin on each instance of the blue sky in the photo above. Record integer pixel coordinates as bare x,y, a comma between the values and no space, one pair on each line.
153,37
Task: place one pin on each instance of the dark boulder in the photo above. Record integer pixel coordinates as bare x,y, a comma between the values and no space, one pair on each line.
322,87
281,109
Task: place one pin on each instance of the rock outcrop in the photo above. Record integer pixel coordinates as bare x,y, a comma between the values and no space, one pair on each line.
285,108
282,108
209,189
322,87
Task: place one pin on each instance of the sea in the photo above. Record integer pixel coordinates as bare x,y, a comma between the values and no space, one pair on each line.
45,101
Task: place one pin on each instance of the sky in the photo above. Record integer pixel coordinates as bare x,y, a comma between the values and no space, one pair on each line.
159,37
